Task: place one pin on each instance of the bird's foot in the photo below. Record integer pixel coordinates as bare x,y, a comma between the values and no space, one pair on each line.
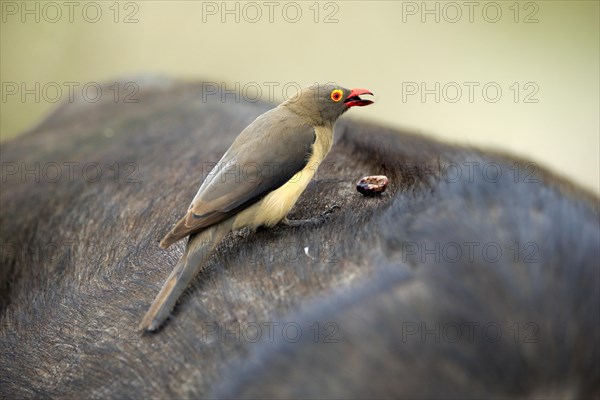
311,221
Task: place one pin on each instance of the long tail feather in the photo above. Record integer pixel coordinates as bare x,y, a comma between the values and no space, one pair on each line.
197,253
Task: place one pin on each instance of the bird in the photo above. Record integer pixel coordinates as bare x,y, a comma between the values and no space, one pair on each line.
256,183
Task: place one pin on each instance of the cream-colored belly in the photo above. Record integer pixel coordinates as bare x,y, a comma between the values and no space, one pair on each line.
277,204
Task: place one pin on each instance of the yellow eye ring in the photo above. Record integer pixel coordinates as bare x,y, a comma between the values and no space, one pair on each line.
336,95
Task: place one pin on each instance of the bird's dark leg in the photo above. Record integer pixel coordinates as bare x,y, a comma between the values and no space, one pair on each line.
311,221
300,222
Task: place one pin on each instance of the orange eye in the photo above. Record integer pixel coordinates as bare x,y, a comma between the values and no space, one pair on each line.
336,95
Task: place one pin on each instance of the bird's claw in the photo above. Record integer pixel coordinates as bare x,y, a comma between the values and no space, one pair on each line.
330,209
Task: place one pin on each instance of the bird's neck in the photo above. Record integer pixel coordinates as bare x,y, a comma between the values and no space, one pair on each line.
304,112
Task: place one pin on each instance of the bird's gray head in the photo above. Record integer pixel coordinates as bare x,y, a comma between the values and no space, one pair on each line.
323,104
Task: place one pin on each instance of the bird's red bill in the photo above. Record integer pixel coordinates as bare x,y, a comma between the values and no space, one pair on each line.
354,99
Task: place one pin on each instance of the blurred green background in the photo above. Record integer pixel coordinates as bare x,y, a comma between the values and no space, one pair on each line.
517,76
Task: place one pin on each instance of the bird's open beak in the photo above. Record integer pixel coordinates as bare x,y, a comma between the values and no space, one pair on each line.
353,98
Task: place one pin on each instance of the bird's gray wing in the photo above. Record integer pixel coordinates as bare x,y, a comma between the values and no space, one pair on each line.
266,155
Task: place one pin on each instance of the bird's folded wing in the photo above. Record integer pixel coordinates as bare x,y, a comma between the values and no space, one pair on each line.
261,163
